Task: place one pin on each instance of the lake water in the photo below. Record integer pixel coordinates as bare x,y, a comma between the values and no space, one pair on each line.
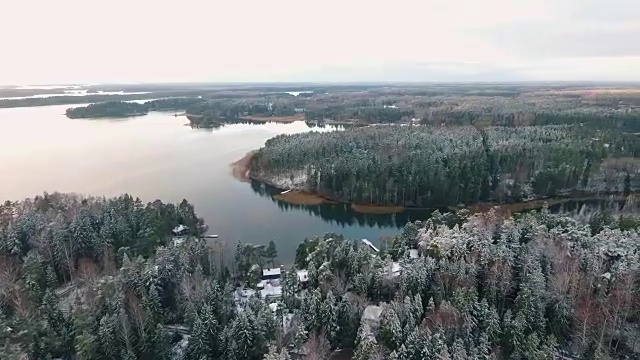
158,157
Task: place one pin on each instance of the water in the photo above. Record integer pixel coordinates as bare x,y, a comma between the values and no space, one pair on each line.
158,157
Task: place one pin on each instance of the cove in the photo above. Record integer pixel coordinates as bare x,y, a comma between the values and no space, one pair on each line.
158,157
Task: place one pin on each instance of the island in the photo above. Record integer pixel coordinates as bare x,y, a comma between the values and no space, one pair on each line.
118,109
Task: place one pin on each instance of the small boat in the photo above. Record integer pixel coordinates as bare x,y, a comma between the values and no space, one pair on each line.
285,192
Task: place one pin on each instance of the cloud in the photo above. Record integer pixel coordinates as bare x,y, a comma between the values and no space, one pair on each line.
255,40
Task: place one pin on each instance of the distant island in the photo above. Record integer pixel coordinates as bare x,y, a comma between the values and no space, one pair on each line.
119,109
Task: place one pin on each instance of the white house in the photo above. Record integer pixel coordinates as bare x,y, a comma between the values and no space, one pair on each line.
271,274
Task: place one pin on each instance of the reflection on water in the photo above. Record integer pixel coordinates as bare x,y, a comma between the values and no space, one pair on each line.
342,214
157,157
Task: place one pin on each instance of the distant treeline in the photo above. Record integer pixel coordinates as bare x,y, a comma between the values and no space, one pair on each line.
125,109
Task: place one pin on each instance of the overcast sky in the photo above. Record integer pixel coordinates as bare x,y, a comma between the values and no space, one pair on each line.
89,41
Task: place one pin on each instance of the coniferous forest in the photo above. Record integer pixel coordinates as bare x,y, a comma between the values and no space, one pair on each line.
117,278
98,278
438,166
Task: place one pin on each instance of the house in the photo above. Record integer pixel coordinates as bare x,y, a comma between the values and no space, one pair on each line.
271,274
180,230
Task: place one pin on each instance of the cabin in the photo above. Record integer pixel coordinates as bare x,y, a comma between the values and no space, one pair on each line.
180,230
271,274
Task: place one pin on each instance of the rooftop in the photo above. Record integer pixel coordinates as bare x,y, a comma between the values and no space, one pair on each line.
271,272
180,228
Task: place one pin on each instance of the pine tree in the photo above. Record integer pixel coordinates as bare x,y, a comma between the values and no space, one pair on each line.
366,344
390,329
458,351
414,346
331,321
348,323
271,253
483,348
243,336
198,347
275,354
290,289
530,300
109,344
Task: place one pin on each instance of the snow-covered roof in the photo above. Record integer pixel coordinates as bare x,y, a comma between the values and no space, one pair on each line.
271,272
370,244
180,228
413,254
178,240
303,275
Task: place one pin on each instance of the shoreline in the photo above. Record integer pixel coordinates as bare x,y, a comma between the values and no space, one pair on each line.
240,170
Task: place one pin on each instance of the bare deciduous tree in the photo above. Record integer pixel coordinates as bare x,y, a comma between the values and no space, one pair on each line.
317,347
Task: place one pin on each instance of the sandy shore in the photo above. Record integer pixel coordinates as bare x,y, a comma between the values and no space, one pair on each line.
303,198
377,209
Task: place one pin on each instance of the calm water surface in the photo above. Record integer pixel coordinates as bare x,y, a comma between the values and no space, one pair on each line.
158,157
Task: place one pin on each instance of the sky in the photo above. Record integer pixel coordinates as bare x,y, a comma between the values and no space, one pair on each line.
98,41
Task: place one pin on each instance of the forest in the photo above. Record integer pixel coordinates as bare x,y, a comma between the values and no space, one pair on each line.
100,278
424,166
602,106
